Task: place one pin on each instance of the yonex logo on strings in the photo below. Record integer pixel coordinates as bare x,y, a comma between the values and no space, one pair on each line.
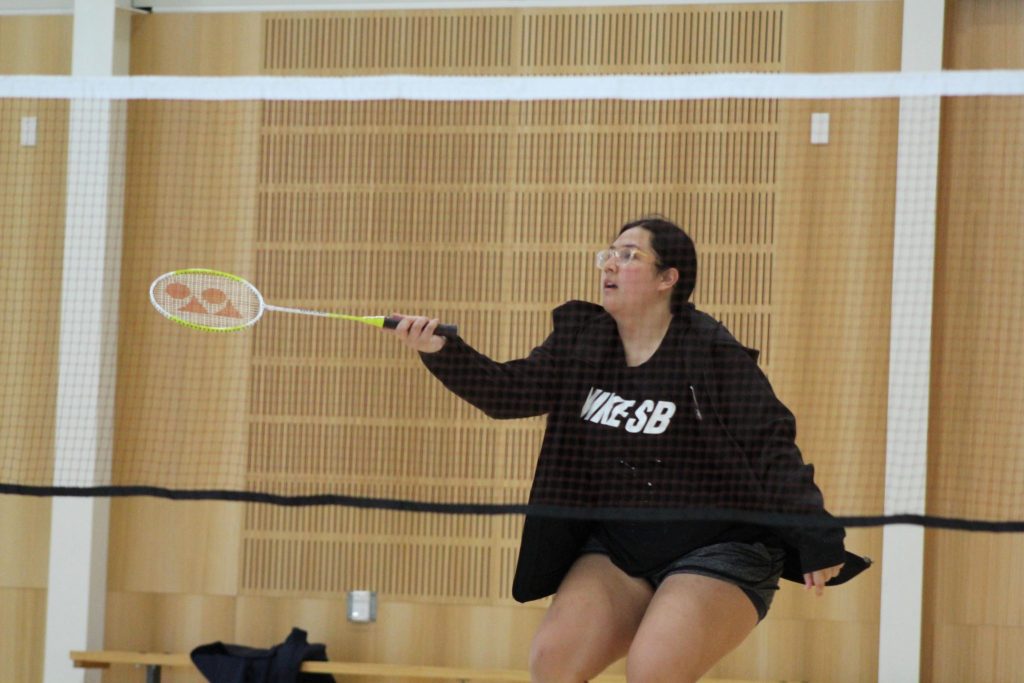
211,295
611,410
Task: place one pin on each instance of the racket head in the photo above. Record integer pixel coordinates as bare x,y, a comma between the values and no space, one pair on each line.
208,300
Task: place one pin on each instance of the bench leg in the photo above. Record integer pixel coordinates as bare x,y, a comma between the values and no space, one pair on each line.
152,673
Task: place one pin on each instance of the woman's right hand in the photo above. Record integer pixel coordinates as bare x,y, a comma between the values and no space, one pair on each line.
417,332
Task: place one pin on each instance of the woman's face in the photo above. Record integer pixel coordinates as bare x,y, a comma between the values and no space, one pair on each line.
633,285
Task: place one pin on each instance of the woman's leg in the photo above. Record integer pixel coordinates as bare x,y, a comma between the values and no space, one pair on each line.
590,623
692,622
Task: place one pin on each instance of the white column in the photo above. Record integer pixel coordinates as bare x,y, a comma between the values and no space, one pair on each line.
902,566
76,588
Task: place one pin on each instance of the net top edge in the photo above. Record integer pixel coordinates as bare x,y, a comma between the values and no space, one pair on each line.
520,88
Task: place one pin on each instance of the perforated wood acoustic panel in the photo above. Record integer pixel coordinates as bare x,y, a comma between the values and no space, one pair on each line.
604,40
486,214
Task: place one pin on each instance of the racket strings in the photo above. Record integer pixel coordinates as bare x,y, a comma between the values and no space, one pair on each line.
207,299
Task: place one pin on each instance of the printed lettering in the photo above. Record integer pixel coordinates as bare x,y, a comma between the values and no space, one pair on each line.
617,413
660,418
594,399
604,411
636,424
611,410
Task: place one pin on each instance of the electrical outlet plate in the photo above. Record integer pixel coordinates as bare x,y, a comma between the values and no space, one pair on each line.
819,128
362,606
28,131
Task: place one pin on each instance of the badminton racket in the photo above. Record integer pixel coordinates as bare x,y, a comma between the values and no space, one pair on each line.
213,301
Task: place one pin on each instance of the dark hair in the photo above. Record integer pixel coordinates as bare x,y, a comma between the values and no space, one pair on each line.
676,250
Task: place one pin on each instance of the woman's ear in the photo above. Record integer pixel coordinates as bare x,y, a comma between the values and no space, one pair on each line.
669,278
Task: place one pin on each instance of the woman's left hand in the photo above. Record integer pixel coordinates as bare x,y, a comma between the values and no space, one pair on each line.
817,579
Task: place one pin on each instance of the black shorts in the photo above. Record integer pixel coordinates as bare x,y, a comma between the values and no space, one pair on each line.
754,568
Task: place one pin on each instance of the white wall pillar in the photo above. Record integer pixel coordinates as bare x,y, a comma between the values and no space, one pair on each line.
76,589
900,630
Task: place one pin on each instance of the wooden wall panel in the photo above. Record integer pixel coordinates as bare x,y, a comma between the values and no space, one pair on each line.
973,589
35,45
181,404
831,293
843,36
347,220
208,44
196,552
537,41
370,42
22,629
984,34
25,531
31,249
652,39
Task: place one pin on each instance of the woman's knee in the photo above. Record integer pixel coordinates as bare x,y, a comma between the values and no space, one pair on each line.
644,670
590,624
569,653
554,660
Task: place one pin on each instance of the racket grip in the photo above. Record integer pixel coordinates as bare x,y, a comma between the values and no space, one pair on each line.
442,330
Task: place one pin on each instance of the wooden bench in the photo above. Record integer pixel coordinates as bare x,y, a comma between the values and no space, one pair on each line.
156,662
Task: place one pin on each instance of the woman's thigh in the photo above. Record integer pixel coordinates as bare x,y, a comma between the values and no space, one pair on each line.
692,622
591,622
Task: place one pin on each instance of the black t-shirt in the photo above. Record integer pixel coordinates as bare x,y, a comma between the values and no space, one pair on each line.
640,422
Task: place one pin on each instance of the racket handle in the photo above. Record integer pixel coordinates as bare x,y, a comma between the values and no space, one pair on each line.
442,330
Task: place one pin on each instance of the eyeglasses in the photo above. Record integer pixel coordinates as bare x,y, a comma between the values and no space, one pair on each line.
624,255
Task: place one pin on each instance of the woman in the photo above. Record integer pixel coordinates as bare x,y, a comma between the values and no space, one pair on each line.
652,406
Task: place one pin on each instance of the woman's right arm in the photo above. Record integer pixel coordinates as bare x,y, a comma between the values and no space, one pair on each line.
518,388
